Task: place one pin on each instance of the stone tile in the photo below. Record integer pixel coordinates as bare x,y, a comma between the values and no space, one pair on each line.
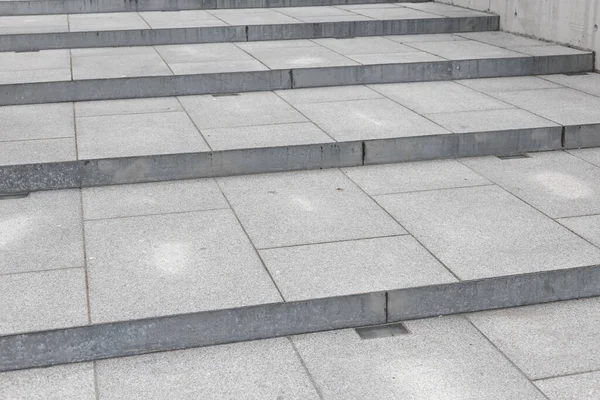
414,176
42,300
180,19
367,6
37,121
588,227
151,198
33,24
465,50
395,58
106,22
35,60
566,336
441,358
335,18
563,106
35,75
580,386
438,97
113,51
368,119
137,135
204,52
394,13
482,232
589,83
305,207
171,264
217,67
37,151
245,109
508,84
115,63
271,45
590,155
64,382
445,10
503,39
326,94
42,231
129,106
364,45
435,37
265,136
489,120
353,267
552,50
265,369
556,183
322,11
300,57
253,17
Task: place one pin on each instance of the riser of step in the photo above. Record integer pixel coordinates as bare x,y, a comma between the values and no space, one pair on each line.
253,81
94,342
88,6
97,172
244,33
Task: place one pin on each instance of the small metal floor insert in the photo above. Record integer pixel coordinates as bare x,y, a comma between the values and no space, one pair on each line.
381,331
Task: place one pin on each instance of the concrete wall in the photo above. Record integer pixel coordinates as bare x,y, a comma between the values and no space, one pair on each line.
573,22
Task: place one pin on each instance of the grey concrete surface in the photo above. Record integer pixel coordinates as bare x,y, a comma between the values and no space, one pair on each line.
266,369
327,94
465,50
440,358
106,22
65,382
556,183
352,267
158,265
509,84
137,135
590,155
587,227
580,386
151,198
40,232
589,83
42,300
131,106
301,208
41,121
565,336
23,152
34,24
480,232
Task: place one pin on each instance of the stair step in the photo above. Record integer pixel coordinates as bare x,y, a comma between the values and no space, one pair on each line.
196,263
29,33
142,140
216,68
34,7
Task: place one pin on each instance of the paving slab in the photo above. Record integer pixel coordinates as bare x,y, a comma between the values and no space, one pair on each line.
566,336
509,84
303,12
39,60
40,121
327,94
480,232
35,75
307,207
156,265
394,58
37,151
589,83
205,52
364,45
491,120
556,183
34,24
180,19
555,50
587,227
434,37
440,358
445,10
151,198
42,300
590,155
253,17
266,369
41,231
394,13
65,382
265,136
580,386
415,176
464,50
353,267
300,57
368,119
130,106
245,109
439,97
106,22
504,39
136,135
117,63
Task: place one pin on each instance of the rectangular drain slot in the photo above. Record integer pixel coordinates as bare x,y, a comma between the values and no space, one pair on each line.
225,94
13,196
381,331
513,157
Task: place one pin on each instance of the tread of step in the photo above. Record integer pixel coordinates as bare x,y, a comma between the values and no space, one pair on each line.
27,33
295,253
217,68
34,7
143,140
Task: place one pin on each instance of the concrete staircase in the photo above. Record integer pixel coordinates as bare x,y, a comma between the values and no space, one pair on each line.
109,92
